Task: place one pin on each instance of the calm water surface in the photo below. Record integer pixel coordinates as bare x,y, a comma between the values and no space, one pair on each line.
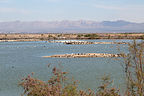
18,59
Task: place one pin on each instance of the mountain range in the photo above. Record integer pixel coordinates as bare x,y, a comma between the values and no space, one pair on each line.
66,26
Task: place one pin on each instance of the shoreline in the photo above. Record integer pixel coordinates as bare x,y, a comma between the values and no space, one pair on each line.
57,36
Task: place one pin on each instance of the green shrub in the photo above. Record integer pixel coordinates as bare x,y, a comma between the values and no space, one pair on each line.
91,36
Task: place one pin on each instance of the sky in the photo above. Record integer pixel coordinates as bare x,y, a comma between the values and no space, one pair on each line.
53,10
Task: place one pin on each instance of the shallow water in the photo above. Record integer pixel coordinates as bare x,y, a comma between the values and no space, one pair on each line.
18,59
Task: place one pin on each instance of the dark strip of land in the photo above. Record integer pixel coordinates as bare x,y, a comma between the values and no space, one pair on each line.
46,36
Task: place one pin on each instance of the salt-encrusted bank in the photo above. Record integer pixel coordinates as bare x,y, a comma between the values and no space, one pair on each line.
82,55
85,42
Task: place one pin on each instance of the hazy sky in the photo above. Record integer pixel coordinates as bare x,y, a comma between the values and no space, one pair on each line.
49,10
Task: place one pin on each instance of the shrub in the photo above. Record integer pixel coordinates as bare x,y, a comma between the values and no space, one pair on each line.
59,85
56,86
91,36
134,69
79,35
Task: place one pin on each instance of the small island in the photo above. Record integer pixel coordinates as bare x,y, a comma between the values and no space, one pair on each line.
85,42
83,55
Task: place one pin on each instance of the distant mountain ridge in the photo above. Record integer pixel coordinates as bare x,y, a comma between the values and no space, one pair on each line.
118,23
66,26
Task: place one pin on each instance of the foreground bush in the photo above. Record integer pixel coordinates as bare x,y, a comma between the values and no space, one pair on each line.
134,69
59,85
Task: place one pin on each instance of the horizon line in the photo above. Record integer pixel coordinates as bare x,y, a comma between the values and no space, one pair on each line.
70,20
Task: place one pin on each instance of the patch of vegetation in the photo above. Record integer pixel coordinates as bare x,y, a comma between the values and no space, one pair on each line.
50,36
142,37
60,85
91,36
134,69
59,35
80,35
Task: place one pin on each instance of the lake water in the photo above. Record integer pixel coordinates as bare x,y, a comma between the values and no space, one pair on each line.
18,59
